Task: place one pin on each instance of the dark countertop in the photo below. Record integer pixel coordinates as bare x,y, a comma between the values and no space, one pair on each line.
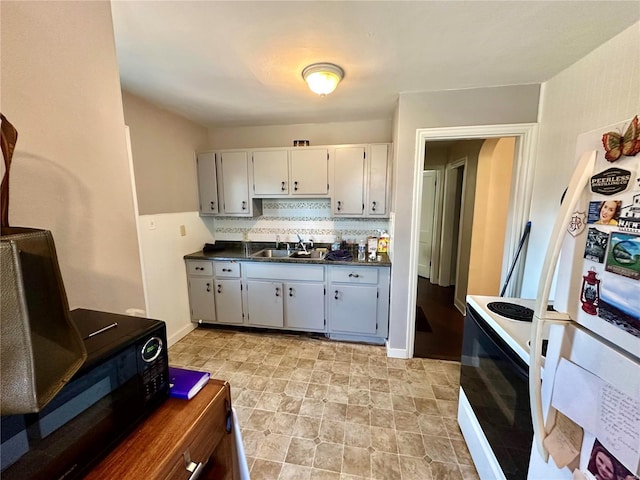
234,251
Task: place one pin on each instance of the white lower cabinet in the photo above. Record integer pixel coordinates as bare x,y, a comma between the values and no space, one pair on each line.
348,303
228,293
201,299
304,306
264,303
286,296
359,303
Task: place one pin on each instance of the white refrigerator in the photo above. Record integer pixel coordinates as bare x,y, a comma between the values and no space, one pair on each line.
586,407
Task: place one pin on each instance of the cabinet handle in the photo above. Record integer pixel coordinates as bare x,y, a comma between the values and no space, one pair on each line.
277,291
219,288
373,206
229,417
283,188
226,269
354,275
339,205
195,469
336,295
213,205
295,186
290,292
199,268
208,287
244,205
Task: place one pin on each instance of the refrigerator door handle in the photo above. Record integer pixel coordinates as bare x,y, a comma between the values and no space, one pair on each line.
583,172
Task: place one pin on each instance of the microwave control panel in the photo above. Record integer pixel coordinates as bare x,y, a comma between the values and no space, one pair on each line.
153,365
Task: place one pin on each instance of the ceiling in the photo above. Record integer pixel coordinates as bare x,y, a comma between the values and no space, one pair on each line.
240,62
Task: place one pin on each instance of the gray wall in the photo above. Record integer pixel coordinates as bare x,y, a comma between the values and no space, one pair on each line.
70,173
483,106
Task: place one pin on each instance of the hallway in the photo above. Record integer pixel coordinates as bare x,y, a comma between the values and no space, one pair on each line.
439,324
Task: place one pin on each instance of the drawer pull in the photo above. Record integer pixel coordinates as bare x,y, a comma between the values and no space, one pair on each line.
199,268
226,269
354,275
195,469
229,417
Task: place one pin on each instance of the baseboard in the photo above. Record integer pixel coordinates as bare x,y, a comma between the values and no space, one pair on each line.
396,352
181,333
461,306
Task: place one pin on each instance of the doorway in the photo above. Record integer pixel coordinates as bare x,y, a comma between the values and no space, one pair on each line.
477,184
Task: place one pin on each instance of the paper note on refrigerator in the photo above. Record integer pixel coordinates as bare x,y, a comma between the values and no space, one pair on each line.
600,408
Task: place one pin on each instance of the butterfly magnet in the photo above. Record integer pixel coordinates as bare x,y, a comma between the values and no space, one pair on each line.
627,144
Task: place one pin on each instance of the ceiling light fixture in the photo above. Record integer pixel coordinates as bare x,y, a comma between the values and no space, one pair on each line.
322,78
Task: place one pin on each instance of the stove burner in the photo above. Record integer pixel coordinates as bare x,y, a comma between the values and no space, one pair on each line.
512,311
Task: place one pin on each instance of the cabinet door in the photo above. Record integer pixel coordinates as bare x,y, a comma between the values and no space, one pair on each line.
234,170
264,301
304,306
207,183
378,181
201,299
310,171
353,308
228,295
270,172
348,181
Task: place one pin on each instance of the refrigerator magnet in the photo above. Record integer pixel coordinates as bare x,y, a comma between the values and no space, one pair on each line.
630,216
623,257
606,212
577,223
611,181
596,246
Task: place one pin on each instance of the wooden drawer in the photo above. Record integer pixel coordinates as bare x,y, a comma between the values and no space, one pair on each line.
362,275
226,269
199,267
155,451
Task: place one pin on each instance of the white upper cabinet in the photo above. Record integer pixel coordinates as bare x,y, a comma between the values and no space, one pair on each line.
270,173
234,180
348,182
309,172
361,180
207,183
378,181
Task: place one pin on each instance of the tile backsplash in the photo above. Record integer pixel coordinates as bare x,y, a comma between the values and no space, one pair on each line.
311,218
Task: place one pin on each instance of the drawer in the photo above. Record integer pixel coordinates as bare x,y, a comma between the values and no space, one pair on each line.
283,271
365,275
226,269
199,267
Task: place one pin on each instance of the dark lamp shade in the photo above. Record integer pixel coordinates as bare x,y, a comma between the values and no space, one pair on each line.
40,346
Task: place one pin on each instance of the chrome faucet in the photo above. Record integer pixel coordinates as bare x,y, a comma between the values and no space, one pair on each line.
301,242
277,242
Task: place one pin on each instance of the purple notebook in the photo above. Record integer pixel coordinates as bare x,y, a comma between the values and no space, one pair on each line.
186,383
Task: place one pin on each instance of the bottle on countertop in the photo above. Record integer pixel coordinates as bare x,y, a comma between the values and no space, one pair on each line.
337,241
362,251
383,242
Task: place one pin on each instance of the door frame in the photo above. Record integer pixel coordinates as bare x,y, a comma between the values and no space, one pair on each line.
520,198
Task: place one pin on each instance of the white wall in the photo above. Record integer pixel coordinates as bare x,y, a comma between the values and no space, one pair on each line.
369,131
484,106
590,94
163,250
163,146
70,173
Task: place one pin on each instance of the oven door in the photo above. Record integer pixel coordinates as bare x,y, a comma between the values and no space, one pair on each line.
495,381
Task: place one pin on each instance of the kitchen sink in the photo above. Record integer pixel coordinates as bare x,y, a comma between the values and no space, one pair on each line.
315,254
271,253
310,255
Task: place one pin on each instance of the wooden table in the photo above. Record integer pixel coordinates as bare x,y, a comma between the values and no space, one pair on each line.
182,439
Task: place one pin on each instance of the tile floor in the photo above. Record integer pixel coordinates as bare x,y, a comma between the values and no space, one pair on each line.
312,409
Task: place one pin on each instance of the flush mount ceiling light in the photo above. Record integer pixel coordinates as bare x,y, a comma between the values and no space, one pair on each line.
322,78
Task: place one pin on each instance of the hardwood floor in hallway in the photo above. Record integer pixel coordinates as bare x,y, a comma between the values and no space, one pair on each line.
439,326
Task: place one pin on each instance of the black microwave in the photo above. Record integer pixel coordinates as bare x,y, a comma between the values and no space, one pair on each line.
125,378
